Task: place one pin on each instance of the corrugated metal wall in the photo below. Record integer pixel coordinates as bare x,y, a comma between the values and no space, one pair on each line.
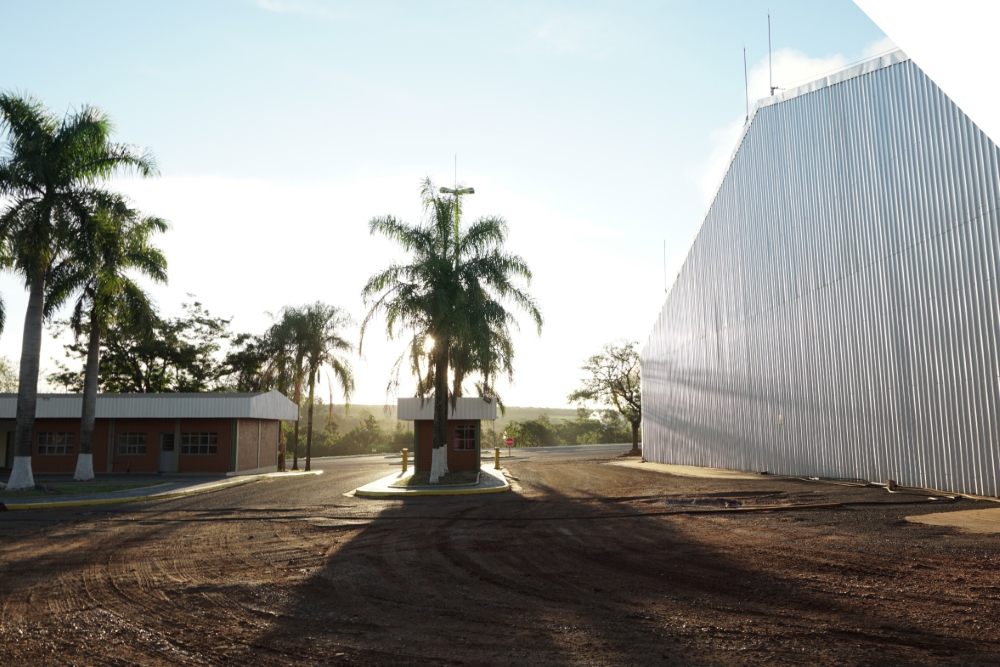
838,312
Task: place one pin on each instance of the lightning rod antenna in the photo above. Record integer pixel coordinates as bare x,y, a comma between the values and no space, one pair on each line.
770,72
746,85
770,76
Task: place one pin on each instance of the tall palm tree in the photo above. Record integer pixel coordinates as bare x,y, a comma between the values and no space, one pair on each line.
325,346
280,371
289,339
452,293
108,294
50,171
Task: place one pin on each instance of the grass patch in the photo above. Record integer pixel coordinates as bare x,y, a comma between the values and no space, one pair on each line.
53,489
449,479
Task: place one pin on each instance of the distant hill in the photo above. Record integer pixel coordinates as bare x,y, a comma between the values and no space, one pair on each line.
515,413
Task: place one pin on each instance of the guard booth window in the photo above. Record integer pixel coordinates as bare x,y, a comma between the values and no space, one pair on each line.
465,437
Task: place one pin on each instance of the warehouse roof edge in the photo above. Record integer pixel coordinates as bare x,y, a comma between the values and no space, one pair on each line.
264,405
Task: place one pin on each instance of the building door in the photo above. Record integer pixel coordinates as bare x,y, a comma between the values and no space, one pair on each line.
167,460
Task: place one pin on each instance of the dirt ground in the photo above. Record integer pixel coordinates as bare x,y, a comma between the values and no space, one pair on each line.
585,565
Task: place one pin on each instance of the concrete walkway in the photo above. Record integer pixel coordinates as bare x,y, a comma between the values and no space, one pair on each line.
490,481
171,487
975,521
687,471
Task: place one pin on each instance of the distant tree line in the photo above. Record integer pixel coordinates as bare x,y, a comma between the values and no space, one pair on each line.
608,428
355,433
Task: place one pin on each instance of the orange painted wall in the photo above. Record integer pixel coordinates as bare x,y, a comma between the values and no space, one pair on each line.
56,463
101,428
149,463
199,463
457,460
129,463
426,430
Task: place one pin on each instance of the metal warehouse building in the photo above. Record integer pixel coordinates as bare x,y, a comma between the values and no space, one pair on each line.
210,432
838,312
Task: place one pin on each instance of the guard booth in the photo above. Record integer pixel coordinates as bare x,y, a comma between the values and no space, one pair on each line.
464,430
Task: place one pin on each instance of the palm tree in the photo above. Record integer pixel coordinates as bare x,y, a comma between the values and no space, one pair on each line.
452,293
50,172
108,294
325,346
288,337
281,373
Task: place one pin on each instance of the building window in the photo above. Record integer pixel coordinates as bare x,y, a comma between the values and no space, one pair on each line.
131,444
465,436
55,444
199,444
166,442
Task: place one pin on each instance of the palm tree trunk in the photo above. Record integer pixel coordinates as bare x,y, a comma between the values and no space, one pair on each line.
85,460
281,446
439,454
298,399
27,388
309,420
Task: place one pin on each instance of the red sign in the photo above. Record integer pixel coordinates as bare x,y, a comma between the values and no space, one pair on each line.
509,442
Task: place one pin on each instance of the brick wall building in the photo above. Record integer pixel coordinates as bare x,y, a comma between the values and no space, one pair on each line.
209,432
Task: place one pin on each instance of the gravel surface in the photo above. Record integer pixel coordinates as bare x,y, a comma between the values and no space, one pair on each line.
585,564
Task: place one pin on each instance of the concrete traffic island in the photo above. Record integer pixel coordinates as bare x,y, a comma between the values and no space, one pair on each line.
490,481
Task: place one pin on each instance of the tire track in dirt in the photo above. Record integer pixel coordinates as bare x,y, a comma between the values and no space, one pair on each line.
286,578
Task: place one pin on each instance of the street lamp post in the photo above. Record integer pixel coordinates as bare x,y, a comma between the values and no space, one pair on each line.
457,192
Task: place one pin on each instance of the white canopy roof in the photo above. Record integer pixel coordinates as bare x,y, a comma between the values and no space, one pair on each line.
466,408
269,405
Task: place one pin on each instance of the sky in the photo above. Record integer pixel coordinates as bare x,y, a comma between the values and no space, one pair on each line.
954,44
598,130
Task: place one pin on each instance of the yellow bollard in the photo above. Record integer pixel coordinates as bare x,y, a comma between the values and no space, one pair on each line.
405,460
496,458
